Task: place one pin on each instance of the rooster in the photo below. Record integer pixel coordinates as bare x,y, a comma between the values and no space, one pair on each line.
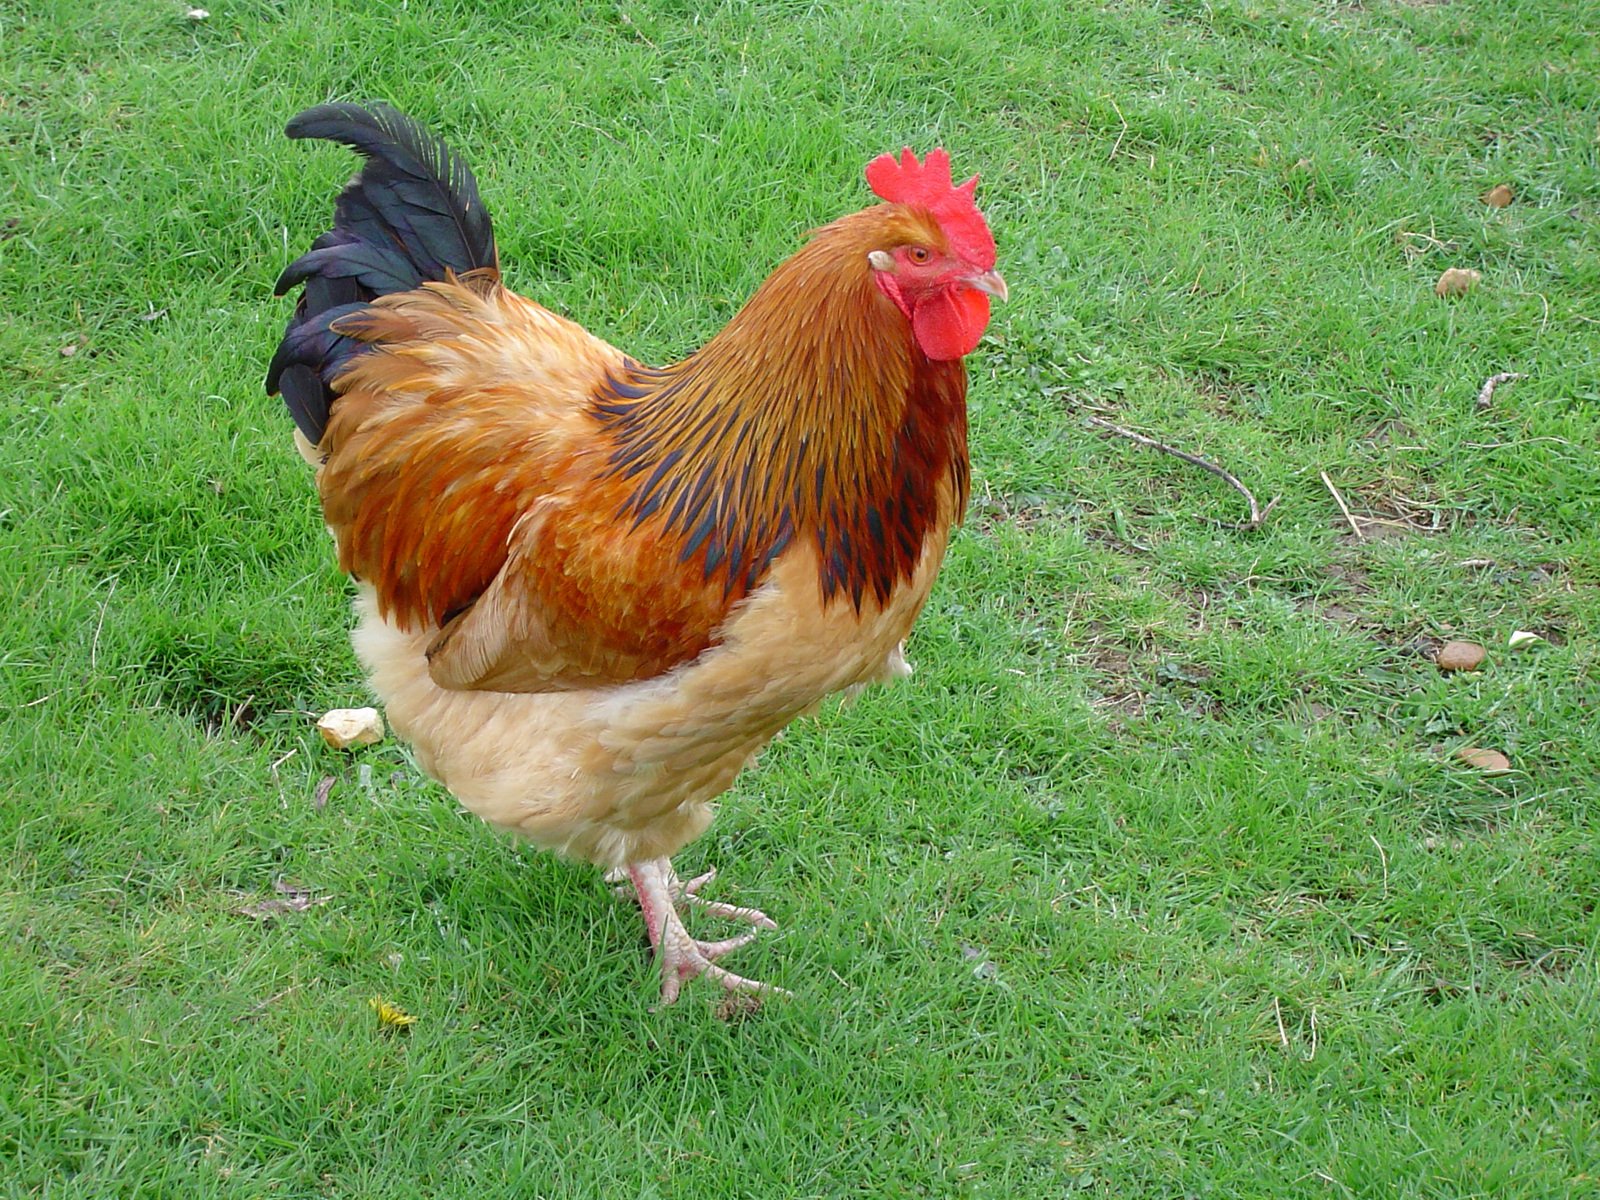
591,590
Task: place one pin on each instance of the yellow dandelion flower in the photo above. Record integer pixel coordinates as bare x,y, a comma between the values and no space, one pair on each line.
390,1016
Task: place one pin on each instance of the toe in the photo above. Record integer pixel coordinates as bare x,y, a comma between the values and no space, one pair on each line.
698,882
714,950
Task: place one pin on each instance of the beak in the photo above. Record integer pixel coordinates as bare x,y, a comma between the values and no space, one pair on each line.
989,282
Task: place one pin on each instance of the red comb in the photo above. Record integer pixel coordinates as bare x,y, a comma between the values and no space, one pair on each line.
926,184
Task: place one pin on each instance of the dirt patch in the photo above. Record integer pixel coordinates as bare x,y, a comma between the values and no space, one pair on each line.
1390,432
223,686
1199,603
197,695
1341,603
1219,392
1117,688
1125,682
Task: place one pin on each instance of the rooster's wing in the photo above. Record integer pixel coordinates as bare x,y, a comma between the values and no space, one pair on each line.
467,480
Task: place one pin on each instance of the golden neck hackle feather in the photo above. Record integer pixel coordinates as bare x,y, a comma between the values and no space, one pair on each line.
812,415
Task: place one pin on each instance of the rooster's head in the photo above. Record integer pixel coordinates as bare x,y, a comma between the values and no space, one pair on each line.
939,269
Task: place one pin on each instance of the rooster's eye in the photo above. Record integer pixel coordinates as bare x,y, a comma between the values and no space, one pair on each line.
919,255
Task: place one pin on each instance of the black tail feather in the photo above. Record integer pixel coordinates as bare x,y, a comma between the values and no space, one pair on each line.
411,214
306,395
311,341
343,257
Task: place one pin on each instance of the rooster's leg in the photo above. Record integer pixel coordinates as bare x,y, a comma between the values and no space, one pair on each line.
681,955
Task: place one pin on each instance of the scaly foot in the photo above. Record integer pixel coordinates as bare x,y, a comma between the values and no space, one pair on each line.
681,955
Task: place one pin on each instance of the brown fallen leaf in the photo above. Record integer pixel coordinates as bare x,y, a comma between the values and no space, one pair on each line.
1490,762
319,798
737,1006
1457,281
1498,196
1459,656
290,899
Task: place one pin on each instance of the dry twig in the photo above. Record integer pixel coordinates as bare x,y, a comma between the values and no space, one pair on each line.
1486,392
1344,508
1258,514
256,1008
1383,858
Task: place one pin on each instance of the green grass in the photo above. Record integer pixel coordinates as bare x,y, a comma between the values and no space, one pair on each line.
1158,880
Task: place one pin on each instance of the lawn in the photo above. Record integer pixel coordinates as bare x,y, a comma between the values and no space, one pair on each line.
1163,877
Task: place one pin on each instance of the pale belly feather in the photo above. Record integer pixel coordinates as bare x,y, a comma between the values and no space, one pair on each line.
625,773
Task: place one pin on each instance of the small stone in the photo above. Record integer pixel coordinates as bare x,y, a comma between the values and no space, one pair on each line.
1498,196
345,727
1457,281
1490,762
1459,656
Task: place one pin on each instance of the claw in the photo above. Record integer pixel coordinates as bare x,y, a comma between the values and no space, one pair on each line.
681,955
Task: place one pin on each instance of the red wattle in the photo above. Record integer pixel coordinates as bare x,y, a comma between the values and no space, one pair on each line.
949,323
